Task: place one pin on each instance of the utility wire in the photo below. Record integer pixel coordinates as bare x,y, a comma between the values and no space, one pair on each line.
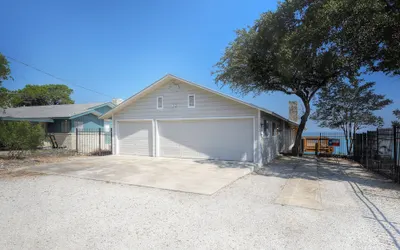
56,77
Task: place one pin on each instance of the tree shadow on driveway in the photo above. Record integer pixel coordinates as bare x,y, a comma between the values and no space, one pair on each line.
364,185
227,164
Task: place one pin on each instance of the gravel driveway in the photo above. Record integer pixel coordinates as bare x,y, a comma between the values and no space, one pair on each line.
358,211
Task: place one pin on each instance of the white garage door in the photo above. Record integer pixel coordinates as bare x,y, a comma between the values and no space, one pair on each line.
225,139
135,138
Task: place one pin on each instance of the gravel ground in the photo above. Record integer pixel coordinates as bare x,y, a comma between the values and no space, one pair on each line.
55,212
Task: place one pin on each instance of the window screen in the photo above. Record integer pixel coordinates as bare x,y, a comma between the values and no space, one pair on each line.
273,129
159,102
65,126
191,101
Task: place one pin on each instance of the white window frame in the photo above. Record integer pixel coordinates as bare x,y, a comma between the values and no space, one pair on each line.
194,101
162,102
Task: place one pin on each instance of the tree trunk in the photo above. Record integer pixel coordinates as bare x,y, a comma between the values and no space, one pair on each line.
299,134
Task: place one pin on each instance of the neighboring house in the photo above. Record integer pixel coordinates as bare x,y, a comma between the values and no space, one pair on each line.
177,118
62,120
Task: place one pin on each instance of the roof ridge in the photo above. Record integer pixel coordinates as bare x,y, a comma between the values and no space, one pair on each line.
58,105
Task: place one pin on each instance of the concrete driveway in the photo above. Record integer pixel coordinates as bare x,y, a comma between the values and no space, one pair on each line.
186,175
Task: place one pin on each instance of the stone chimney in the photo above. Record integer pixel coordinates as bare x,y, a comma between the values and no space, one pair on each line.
293,111
117,101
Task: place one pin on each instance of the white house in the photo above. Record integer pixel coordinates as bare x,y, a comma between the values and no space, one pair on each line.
177,118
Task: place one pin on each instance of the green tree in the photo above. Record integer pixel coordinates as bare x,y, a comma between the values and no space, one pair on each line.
350,107
5,74
396,113
277,54
38,95
365,31
20,137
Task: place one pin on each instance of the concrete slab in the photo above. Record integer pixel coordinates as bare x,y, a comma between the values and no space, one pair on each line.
186,175
302,193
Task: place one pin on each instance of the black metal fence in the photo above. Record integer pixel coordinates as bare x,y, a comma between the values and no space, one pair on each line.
379,151
93,141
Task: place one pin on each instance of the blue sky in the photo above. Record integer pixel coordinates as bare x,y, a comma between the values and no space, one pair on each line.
120,47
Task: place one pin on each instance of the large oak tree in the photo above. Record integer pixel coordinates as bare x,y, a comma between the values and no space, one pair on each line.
366,31
278,54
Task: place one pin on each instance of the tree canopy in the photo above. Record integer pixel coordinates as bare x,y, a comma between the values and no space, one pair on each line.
350,107
38,95
396,113
277,54
5,72
367,32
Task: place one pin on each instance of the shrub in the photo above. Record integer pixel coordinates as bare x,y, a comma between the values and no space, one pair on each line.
20,137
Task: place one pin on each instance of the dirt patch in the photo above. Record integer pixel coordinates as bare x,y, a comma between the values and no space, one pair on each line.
4,173
36,158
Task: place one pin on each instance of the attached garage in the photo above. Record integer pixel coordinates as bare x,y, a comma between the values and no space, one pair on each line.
224,139
180,119
135,138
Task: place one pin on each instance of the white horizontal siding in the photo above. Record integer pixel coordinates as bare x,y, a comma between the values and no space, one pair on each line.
270,145
175,96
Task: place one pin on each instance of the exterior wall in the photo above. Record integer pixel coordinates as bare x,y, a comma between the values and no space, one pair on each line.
271,145
175,98
175,105
66,140
90,121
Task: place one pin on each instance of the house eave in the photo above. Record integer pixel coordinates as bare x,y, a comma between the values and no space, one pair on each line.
94,112
26,119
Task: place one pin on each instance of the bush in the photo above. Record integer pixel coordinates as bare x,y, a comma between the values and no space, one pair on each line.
20,137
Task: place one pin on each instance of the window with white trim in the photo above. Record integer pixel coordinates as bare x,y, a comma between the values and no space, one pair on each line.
160,102
191,101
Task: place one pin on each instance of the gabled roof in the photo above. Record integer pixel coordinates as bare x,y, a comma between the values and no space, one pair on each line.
172,77
51,111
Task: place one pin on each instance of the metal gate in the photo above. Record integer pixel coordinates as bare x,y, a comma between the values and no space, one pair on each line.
94,141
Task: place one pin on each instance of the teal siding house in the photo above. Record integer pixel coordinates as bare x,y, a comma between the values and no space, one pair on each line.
63,120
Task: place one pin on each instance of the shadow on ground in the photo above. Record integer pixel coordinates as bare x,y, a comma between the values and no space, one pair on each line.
326,169
369,188
227,164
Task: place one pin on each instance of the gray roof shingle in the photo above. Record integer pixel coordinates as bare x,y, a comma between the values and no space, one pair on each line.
50,111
